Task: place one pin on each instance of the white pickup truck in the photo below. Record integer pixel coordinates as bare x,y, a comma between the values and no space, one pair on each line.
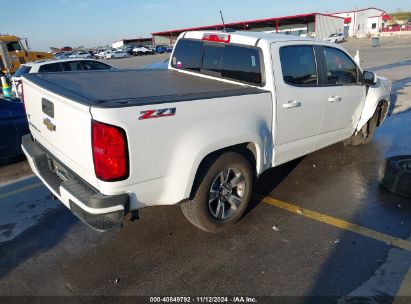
229,107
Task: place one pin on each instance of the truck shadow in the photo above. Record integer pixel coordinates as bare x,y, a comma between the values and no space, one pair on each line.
46,234
397,86
391,66
271,179
11,160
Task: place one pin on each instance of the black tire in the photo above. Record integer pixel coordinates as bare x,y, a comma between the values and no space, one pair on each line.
199,211
365,135
395,174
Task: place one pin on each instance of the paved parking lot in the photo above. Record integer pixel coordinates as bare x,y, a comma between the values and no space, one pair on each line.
318,226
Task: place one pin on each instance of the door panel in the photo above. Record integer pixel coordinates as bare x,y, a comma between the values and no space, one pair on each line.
345,96
299,102
343,108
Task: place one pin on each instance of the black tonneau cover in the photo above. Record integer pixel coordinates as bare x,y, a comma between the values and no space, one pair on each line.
122,88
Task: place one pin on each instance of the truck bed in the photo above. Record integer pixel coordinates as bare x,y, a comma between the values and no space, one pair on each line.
122,88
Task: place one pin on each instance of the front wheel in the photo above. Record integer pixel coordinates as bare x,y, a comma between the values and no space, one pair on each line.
222,193
365,135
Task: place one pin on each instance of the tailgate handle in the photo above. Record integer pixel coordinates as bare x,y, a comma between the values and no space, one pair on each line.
47,107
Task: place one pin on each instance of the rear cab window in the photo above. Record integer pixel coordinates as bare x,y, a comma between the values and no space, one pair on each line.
229,61
72,66
188,55
50,68
95,65
212,59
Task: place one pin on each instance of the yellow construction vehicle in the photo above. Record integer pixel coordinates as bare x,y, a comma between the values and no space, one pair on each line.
15,51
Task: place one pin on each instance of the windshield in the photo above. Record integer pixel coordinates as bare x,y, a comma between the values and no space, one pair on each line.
333,35
13,46
22,70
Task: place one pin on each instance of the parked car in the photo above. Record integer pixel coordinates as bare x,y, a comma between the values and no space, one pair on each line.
63,55
336,38
82,54
160,49
116,54
102,54
230,106
58,54
13,125
128,49
92,54
141,50
59,65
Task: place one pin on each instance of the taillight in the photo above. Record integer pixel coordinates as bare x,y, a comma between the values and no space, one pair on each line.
217,38
109,152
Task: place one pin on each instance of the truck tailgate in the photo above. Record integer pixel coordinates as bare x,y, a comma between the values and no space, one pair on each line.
63,127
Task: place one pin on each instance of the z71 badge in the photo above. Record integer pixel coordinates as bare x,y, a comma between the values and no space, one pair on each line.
157,113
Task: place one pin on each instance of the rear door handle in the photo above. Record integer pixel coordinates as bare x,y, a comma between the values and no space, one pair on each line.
334,98
292,104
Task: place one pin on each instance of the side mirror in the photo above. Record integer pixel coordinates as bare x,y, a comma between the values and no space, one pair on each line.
368,78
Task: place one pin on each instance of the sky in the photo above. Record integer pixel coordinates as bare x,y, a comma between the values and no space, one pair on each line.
58,23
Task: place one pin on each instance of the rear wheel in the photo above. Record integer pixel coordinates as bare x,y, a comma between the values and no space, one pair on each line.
221,194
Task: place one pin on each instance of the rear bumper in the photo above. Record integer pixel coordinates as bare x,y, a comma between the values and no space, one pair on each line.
101,212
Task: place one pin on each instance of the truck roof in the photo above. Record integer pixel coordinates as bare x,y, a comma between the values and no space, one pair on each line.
247,37
123,88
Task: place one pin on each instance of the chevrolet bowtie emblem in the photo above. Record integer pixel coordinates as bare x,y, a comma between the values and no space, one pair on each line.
50,126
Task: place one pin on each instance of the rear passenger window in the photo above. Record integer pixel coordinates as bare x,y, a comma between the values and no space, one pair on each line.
187,55
298,65
242,63
341,70
52,67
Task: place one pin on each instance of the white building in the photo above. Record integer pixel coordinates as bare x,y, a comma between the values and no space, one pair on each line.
363,22
132,42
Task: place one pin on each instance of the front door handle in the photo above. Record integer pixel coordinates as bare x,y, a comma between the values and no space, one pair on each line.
334,98
292,104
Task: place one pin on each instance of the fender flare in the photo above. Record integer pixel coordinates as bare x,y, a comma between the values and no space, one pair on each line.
377,96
